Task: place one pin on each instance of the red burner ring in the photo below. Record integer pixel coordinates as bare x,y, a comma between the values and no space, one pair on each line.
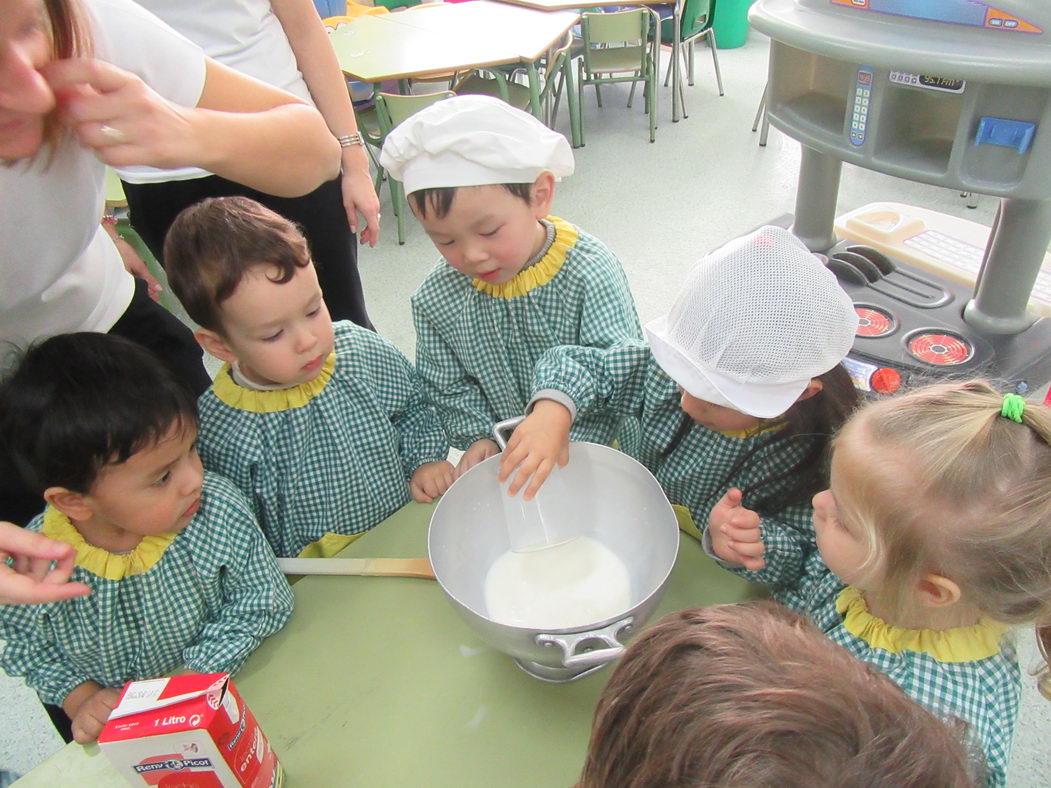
940,349
873,322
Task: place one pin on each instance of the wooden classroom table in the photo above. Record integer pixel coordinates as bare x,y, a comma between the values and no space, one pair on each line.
378,682
451,37
562,5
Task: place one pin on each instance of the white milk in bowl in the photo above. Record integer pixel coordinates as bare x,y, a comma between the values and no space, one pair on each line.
571,585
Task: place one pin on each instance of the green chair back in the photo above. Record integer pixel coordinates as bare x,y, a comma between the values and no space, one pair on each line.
617,41
392,109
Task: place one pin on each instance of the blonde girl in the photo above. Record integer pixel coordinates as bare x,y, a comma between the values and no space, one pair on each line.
933,542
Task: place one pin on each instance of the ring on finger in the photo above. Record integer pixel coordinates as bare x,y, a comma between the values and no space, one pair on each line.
114,135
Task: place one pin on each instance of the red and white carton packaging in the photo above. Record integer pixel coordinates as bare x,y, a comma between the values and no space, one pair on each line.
188,732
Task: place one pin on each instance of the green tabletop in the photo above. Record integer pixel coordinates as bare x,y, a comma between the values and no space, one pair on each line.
378,682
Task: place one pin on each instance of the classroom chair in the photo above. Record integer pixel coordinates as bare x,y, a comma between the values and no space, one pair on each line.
618,47
694,19
542,92
392,109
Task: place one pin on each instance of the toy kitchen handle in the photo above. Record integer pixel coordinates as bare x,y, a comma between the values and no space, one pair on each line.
502,430
571,641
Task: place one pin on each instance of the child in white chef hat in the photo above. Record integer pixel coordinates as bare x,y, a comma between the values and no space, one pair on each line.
738,392
514,280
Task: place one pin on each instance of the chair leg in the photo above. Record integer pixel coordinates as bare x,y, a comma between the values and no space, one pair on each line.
397,198
576,132
631,94
651,89
710,34
690,47
580,98
682,95
760,111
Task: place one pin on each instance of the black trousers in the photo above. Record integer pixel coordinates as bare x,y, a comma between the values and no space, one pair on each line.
320,215
149,324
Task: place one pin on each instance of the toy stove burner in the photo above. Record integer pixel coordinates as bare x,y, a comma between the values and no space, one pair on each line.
873,322
940,349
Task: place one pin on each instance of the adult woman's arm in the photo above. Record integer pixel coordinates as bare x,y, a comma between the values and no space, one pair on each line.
328,87
241,129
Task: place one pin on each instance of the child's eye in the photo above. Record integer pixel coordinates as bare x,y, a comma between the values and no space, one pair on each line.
491,233
314,312
273,337
443,243
163,480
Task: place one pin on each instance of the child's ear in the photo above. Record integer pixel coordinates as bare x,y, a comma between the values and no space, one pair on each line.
542,194
938,591
812,388
72,504
214,344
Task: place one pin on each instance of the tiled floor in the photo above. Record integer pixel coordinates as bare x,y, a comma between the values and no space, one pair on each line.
659,207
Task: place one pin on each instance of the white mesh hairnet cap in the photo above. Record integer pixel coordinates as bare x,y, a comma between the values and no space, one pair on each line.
473,141
755,321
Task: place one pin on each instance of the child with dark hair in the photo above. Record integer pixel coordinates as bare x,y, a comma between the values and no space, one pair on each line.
324,426
752,695
181,577
515,281
738,392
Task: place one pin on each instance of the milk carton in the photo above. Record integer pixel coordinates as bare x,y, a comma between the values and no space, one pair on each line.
188,732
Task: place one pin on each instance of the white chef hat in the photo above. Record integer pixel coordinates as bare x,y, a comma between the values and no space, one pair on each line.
473,141
756,319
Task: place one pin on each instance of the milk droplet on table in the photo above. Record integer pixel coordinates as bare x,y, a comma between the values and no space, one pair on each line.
574,584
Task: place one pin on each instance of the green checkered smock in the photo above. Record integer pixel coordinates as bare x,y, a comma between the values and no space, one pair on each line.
982,691
477,344
330,456
203,599
704,464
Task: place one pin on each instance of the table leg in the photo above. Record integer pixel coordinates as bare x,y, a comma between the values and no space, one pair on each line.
676,76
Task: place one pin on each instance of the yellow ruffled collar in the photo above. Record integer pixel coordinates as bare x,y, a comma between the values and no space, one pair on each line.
542,271
112,566
242,398
962,644
751,432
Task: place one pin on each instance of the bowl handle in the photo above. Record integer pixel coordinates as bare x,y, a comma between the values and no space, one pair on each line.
502,430
572,640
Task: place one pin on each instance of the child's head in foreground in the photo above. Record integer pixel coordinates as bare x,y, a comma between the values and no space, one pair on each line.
244,275
754,696
757,335
105,433
939,508
480,176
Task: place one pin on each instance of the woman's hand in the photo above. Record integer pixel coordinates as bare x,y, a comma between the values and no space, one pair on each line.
118,116
41,569
359,196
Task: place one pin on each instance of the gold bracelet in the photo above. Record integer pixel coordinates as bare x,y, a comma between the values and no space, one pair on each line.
350,140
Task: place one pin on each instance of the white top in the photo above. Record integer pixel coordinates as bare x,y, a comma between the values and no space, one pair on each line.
242,34
60,272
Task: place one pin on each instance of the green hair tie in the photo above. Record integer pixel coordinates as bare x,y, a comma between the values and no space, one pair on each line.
1013,407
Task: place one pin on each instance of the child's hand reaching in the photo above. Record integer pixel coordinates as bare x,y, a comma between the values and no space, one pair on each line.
431,480
535,446
90,716
735,532
477,452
